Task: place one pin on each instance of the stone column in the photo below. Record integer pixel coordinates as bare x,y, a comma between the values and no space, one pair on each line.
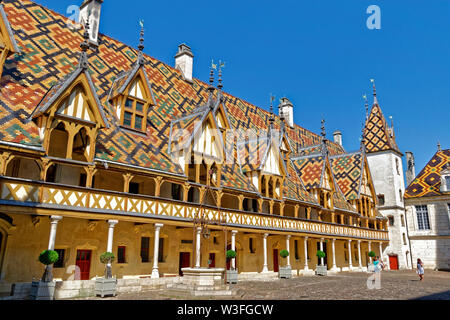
333,248
198,248
370,249
359,254
306,253
265,269
109,246
381,252
288,260
54,225
350,266
155,270
321,249
233,247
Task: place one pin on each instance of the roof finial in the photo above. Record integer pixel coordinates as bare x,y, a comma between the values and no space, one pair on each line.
324,133
84,64
439,146
211,82
363,136
271,118
221,66
366,104
375,100
141,46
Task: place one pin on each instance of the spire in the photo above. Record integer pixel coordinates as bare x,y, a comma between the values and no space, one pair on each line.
366,105
84,64
221,66
363,138
141,46
272,117
211,83
439,146
375,100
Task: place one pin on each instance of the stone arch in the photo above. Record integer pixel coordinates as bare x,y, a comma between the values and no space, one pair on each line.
24,168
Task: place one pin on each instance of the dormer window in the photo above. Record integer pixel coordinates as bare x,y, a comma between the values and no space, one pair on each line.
134,114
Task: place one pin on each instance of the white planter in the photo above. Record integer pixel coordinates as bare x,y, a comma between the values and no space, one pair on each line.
232,276
321,270
285,273
42,290
105,287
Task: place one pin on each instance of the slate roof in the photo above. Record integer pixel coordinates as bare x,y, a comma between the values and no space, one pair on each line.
428,182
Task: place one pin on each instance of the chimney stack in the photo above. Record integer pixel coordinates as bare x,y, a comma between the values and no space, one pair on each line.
91,8
337,135
286,109
411,168
184,61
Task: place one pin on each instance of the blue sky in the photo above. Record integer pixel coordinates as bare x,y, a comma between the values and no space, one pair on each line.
319,54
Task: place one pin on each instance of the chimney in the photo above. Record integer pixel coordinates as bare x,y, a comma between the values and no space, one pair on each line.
411,168
184,61
337,135
286,108
91,8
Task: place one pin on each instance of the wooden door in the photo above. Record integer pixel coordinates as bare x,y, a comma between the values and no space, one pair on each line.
185,261
212,260
393,262
276,266
84,263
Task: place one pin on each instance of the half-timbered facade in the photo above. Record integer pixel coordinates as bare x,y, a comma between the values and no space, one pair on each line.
105,148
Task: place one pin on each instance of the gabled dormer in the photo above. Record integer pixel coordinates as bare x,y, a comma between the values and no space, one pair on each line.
8,45
70,115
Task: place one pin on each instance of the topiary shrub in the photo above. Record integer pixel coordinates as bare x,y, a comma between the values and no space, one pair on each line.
47,258
284,254
372,254
321,254
107,258
231,254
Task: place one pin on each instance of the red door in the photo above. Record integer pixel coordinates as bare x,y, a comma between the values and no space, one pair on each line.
185,261
84,263
393,262
212,260
275,260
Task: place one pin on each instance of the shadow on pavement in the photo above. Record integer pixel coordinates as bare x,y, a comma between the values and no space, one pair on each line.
437,296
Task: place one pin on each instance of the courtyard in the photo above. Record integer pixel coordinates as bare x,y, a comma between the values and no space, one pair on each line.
395,285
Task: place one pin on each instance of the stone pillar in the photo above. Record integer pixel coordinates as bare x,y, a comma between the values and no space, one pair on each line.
288,260
370,249
306,253
155,270
359,254
233,247
198,247
333,248
321,249
109,246
54,225
381,251
265,269
350,266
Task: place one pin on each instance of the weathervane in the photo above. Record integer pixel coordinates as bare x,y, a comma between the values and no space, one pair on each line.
221,66
375,100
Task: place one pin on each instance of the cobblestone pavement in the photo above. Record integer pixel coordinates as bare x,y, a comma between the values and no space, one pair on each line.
395,285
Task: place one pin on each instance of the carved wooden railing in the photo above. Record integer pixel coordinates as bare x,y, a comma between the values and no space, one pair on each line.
19,191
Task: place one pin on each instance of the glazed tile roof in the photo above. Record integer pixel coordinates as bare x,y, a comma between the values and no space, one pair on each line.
49,55
377,132
347,170
428,182
9,31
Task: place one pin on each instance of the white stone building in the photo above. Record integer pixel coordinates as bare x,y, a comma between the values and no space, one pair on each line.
427,202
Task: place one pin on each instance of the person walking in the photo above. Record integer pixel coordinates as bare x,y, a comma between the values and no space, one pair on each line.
420,270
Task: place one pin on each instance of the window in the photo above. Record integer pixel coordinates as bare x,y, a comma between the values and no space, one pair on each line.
161,251
134,188
251,245
400,194
134,116
145,249
121,254
83,179
215,241
296,250
176,192
447,182
404,239
397,165
60,262
187,241
423,221
403,220
391,221
381,199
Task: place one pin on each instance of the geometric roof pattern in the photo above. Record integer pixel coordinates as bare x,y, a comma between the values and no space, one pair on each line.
347,169
428,182
377,133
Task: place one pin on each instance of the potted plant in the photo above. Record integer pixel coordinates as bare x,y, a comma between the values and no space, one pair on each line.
106,286
286,271
232,274
45,288
321,270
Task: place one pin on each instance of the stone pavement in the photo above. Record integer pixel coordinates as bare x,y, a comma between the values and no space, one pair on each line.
395,285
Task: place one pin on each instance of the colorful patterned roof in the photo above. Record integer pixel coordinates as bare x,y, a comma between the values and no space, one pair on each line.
428,182
9,32
347,170
378,135
50,53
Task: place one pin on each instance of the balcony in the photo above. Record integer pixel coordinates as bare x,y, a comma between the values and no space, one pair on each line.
20,192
